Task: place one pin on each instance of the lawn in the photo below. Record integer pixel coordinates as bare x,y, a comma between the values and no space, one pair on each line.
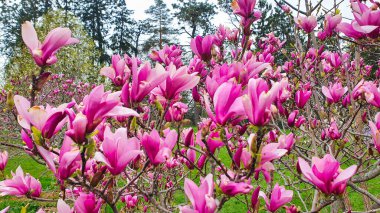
50,189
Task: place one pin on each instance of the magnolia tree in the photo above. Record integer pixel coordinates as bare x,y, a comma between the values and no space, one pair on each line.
305,130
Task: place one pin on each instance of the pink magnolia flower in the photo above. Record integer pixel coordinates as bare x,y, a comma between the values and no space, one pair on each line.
201,198
291,209
69,159
227,103
307,23
285,8
244,8
348,30
375,131
20,185
333,131
62,207
257,103
168,55
286,141
87,203
118,72
177,81
44,54
5,210
232,188
48,120
372,93
268,153
99,104
157,149
334,92
279,197
326,174
130,201
176,112
202,46
367,20
330,24
302,97
3,160
118,150
145,79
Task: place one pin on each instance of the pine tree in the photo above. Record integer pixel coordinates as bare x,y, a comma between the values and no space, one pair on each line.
194,16
159,28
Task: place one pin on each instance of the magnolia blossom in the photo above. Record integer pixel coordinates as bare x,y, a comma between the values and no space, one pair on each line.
326,174
20,184
168,55
301,97
157,149
307,23
87,203
118,150
48,120
3,160
177,81
176,112
227,103
44,54
268,153
233,188
69,159
286,141
257,103
201,46
145,79
279,197
330,24
98,105
375,131
201,198
62,207
118,72
334,92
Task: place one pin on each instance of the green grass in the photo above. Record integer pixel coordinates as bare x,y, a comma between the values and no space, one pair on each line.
51,190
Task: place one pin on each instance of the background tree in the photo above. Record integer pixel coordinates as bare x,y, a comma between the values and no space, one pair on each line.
73,59
194,16
159,29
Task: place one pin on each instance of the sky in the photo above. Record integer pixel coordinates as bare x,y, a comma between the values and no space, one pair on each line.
139,7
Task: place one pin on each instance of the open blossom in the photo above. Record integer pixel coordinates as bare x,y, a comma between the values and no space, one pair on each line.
99,104
279,197
62,207
130,201
145,79
286,141
44,54
232,188
375,131
326,174
176,112
201,198
20,184
245,9
118,72
87,203
3,160
168,54
372,93
227,103
177,81
333,131
69,159
366,21
269,153
48,120
118,150
334,92
201,46
330,24
307,23
257,103
157,149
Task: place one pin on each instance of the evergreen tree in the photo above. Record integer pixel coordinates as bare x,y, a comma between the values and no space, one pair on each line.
194,16
159,28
